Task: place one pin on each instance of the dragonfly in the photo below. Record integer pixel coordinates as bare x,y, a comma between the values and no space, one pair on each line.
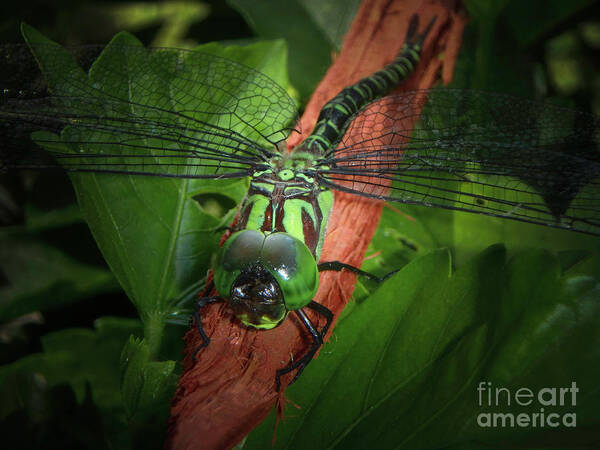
180,114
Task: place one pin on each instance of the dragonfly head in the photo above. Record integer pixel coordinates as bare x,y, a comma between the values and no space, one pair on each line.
264,276
298,160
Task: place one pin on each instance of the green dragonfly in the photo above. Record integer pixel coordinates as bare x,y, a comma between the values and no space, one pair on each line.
464,150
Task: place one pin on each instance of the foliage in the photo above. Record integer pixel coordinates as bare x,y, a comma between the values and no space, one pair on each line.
403,366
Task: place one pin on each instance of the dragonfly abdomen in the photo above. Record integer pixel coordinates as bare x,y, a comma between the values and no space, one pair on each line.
335,115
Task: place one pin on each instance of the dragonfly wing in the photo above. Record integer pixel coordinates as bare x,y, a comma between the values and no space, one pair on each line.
160,112
474,151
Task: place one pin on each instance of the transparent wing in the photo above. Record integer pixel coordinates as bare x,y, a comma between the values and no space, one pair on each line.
159,112
474,151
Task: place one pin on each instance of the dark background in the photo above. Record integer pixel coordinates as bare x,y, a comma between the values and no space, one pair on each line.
557,59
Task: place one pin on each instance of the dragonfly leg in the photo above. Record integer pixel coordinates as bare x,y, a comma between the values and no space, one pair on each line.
325,312
318,336
201,303
413,25
338,266
223,229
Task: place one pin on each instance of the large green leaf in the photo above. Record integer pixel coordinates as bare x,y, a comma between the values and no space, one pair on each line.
422,342
155,236
312,29
403,369
146,387
38,276
75,378
491,58
78,357
549,15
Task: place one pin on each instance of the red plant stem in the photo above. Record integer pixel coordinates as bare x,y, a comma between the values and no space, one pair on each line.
230,389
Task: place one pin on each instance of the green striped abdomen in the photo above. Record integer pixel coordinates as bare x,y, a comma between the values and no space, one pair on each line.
336,113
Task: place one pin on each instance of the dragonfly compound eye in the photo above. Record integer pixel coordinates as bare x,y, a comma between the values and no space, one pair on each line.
293,266
265,276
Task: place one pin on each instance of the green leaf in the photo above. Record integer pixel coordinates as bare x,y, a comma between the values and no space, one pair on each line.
266,57
75,356
400,237
312,31
546,337
38,220
52,418
472,232
39,276
156,238
147,387
393,337
403,369
47,201
548,14
485,10
49,54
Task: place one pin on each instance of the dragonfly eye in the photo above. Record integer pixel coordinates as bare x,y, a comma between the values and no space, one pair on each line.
265,275
256,298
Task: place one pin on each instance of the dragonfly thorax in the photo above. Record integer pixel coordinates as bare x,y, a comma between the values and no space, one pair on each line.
289,201
297,161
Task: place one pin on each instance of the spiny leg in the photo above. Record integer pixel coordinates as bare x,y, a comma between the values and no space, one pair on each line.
201,303
325,312
338,266
317,336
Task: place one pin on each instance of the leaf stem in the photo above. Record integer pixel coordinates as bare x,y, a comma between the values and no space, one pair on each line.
154,326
